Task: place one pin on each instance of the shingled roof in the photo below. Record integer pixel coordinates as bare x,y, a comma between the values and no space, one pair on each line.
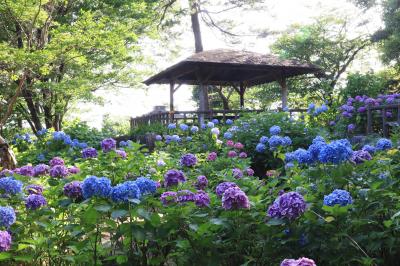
226,67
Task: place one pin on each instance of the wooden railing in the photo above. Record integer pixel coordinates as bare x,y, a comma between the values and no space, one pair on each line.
384,120
193,116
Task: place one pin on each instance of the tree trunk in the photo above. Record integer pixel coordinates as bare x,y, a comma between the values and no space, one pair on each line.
33,112
224,99
7,157
203,97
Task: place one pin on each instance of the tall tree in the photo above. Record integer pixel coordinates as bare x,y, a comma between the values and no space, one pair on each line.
326,43
68,50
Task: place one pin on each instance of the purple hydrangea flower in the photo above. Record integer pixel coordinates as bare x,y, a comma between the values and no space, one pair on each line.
224,186
73,190
202,199
59,171
26,170
40,169
360,156
202,182
232,154
298,262
89,153
212,156
5,241
108,144
33,202
188,160
34,189
6,172
351,127
361,109
234,198
237,173
173,177
161,163
56,161
122,154
238,146
288,205
249,172
185,196
242,155
73,170
168,197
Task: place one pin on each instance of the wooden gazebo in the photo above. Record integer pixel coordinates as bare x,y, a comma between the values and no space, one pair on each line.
223,67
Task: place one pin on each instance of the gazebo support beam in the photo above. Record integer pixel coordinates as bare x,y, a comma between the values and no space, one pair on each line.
241,94
171,101
284,92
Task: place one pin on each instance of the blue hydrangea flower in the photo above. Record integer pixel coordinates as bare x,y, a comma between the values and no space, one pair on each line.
125,192
175,138
303,156
260,147
194,129
229,121
338,197
94,186
215,131
215,121
263,139
275,141
7,216
370,149
172,126
9,185
290,157
59,135
286,141
335,152
146,185
318,139
210,124
42,132
41,157
158,138
275,130
203,126
383,144
315,148
228,135
184,127
188,138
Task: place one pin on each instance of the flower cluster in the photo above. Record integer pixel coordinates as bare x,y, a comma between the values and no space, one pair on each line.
73,190
146,185
5,241
298,262
62,137
334,152
212,156
24,138
89,153
94,186
173,177
56,161
360,156
10,186
274,141
125,192
234,198
188,160
34,189
338,197
59,171
108,144
289,205
26,170
316,110
34,201
41,169
202,182
383,144
224,186
201,198
7,216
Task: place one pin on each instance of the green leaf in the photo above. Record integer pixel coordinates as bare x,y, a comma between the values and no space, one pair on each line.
275,221
5,256
103,208
90,216
118,214
329,219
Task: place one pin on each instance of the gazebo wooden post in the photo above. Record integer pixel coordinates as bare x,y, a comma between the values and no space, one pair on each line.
203,99
284,92
241,94
171,101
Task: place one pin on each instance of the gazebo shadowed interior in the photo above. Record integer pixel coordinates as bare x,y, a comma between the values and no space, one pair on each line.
239,69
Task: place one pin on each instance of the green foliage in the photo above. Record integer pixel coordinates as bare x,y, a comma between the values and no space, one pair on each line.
67,51
318,43
365,84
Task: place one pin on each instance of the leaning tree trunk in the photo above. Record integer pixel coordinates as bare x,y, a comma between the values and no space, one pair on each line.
7,157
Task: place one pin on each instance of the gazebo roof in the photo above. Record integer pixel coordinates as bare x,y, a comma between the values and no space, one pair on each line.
227,67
